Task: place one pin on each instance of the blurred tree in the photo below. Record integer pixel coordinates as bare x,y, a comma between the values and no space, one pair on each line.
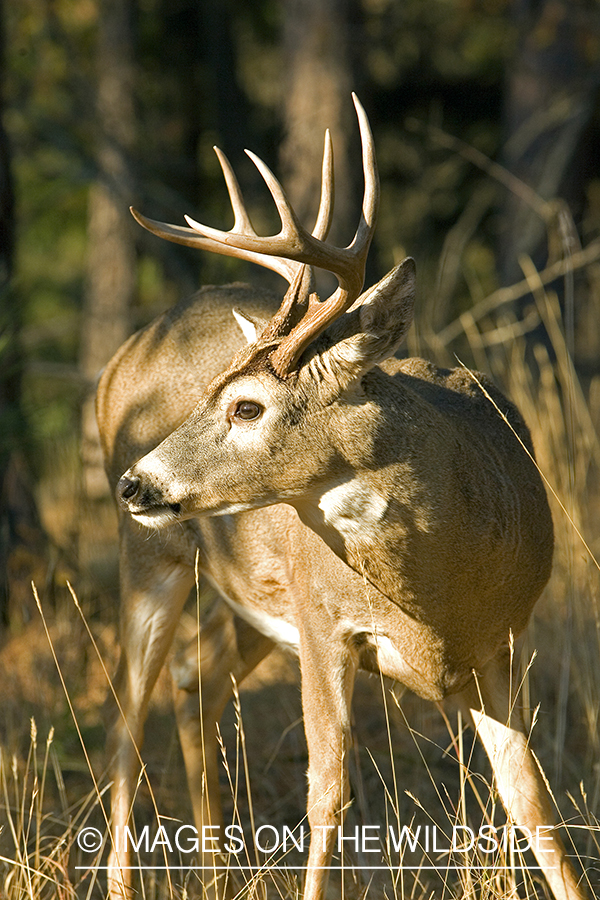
552,86
316,96
111,263
433,71
23,543
188,99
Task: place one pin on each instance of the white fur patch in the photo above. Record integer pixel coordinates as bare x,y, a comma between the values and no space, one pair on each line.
353,508
155,518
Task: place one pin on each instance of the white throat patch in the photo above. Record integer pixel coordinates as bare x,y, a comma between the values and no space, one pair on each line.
353,508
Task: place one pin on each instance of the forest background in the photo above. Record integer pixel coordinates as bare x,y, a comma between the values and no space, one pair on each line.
486,117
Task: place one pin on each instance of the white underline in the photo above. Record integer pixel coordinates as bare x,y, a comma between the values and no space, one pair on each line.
267,867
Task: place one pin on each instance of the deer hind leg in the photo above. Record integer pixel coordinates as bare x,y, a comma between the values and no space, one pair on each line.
226,646
499,725
328,674
153,592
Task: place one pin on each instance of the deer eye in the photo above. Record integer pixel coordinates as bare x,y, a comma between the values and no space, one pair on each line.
246,409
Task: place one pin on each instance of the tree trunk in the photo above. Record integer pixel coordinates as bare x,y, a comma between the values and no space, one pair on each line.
317,97
23,542
111,275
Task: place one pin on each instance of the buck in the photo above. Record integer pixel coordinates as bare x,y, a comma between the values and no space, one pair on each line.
363,511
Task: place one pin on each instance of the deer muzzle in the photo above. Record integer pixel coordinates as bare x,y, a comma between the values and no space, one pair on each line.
144,500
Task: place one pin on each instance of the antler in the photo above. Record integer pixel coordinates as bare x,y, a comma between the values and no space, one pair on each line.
294,248
347,263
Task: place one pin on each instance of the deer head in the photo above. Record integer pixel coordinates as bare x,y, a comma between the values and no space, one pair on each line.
287,420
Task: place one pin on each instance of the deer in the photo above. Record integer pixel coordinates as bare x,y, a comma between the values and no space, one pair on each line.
361,510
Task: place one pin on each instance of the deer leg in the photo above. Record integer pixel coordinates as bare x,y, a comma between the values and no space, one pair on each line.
499,725
153,592
226,646
328,674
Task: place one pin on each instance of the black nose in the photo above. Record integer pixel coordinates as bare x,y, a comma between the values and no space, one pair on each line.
127,487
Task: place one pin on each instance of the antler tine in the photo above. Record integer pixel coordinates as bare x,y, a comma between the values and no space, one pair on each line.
325,214
366,226
321,314
242,223
291,229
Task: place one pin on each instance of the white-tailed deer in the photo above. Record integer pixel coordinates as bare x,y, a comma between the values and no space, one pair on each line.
364,511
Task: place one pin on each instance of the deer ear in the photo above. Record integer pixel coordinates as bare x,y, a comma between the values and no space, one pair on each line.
380,320
249,327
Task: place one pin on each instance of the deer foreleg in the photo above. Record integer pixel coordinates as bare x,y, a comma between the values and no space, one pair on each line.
226,646
327,686
153,592
499,725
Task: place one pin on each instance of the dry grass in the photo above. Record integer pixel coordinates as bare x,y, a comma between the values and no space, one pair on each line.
410,763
